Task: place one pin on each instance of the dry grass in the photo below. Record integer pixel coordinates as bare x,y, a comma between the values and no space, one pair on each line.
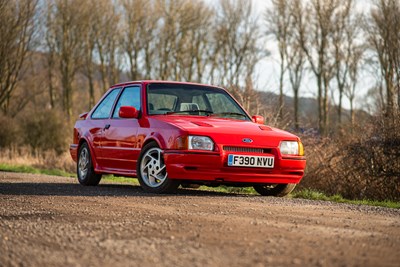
25,156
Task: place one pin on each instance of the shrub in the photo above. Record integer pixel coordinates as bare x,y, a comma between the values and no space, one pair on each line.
361,165
44,131
9,132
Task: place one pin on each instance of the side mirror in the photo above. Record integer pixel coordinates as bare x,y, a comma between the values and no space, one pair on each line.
258,119
128,112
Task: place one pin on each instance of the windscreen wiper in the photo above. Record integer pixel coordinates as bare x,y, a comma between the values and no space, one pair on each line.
208,112
230,113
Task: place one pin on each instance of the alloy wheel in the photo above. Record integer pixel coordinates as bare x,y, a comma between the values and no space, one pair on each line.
153,168
83,164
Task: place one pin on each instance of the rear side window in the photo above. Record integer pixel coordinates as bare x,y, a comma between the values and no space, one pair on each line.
103,110
129,97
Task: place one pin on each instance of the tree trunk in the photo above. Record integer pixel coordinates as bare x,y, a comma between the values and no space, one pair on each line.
50,79
340,106
320,105
281,104
91,90
326,107
296,109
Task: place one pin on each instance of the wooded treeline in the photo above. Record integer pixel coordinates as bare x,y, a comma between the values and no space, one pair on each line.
88,44
57,57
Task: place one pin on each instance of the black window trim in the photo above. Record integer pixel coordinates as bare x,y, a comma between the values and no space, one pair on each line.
119,96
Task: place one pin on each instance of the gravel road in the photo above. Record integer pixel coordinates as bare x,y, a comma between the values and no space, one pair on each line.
54,221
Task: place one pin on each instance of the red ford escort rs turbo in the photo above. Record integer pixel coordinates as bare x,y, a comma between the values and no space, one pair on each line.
172,133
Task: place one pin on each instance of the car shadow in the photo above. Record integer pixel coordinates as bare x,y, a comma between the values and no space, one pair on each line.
106,189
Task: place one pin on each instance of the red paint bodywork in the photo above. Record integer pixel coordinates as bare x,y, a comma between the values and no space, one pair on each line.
115,150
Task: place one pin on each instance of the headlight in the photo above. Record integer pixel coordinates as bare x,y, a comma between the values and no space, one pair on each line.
200,143
291,148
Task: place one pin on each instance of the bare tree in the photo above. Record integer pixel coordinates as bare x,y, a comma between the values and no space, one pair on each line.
90,35
16,31
51,61
31,86
174,41
235,36
278,19
135,13
200,44
344,35
173,31
314,37
195,24
109,45
295,55
148,38
354,69
66,27
384,38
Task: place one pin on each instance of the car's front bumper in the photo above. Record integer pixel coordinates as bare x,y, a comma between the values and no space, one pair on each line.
213,167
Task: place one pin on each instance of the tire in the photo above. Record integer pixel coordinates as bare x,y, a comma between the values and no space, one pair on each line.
84,167
276,190
152,171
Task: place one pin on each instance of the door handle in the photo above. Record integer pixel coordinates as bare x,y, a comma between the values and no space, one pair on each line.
106,127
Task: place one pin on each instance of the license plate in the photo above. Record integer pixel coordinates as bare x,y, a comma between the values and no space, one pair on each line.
250,161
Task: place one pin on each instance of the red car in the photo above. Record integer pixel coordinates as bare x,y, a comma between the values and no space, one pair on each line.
171,133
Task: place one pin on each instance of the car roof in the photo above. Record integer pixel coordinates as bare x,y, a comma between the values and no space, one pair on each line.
145,82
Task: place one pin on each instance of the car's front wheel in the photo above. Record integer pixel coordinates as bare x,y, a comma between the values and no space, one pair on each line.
277,190
85,170
152,171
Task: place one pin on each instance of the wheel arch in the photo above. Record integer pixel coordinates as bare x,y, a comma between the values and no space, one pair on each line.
156,138
82,141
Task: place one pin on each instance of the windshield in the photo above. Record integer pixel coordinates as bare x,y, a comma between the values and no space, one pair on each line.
190,99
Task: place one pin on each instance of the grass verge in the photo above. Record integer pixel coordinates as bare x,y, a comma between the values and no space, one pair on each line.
30,169
56,172
315,195
304,193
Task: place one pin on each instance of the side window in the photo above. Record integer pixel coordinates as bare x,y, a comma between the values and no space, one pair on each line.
129,97
103,110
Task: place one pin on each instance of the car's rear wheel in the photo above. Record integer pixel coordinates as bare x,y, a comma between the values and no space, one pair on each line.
152,171
277,190
85,170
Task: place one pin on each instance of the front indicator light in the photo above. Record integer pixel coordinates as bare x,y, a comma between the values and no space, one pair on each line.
301,149
181,142
200,143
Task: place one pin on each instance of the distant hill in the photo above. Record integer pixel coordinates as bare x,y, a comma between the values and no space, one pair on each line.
308,110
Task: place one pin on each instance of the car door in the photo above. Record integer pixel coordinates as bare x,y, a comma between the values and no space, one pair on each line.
119,148
98,124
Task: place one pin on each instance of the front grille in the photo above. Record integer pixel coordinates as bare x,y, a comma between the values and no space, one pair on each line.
248,149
